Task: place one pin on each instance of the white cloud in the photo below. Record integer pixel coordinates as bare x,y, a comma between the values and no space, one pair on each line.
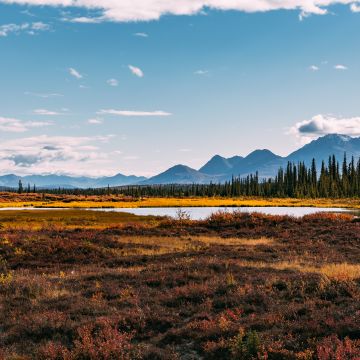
201,72
314,68
40,26
134,113
355,8
43,95
112,82
28,13
45,112
55,154
141,34
28,28
136,71
146,10
320,125
340,67
303,15
95,121
16,125
73,72
84,20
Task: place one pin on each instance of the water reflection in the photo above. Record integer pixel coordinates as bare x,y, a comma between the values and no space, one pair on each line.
203,212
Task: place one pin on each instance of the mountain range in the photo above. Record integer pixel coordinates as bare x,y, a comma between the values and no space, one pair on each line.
69,182
217,169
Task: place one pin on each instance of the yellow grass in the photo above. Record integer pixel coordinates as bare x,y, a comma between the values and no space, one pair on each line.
185,202
342,271
67,219
235,241
337,271
157,245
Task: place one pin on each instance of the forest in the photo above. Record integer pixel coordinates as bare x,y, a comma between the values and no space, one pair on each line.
333,180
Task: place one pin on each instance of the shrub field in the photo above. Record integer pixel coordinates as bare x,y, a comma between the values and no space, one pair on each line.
78,284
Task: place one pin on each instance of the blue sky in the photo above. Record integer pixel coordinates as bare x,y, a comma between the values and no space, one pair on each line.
91,91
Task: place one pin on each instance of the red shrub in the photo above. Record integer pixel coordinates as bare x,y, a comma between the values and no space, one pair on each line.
331,348
99,341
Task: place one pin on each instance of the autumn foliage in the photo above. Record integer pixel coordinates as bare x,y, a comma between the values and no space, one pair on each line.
86,285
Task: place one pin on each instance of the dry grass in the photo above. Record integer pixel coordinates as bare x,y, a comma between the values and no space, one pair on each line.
337,271
69,219
343,271
116,201
156,245
159,245
235,241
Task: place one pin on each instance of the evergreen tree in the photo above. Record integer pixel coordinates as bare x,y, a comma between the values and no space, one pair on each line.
20,188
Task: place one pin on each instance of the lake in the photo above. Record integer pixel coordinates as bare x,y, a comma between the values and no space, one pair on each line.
198,213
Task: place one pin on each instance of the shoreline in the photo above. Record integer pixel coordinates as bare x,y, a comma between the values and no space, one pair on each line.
118,203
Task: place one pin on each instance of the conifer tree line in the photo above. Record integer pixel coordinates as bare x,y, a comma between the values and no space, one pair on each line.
331,180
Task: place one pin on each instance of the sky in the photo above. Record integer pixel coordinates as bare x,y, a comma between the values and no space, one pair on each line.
99,87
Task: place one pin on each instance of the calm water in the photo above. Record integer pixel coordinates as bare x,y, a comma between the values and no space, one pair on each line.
203,212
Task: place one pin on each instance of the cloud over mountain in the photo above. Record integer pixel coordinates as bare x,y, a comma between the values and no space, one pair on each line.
320,125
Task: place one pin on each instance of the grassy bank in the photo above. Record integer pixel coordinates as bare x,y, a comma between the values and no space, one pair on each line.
80,201
91,285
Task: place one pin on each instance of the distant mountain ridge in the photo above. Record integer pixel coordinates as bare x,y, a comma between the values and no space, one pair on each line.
63,181
217,169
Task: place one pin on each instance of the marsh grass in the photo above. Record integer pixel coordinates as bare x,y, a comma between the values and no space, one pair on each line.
236,241
69,219
118,201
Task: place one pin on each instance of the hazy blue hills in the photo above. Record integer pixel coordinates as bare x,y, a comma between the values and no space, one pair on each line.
216,169
55,181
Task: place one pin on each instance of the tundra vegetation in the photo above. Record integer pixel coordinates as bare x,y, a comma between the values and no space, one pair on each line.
78,284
